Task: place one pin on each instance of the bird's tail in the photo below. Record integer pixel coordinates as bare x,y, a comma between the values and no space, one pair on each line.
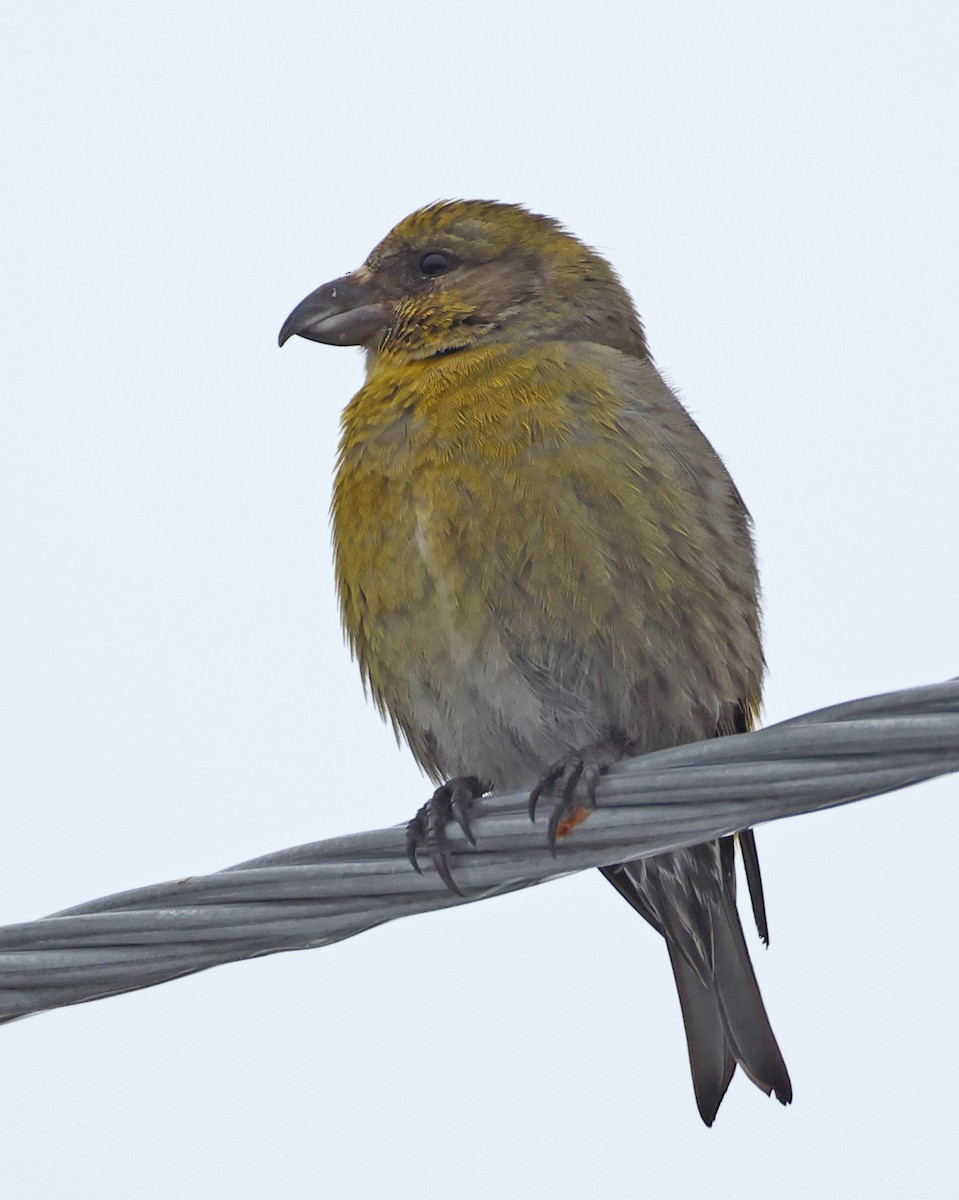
723,1011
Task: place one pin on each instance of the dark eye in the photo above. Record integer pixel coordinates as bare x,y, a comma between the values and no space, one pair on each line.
434,264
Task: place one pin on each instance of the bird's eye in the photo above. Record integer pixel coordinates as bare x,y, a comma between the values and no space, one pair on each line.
434,264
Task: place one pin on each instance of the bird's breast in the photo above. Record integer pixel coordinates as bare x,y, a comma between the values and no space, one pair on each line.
425,632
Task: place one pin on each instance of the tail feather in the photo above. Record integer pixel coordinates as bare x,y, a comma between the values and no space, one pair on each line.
689,897
742,722
711,1060
744,1015
754,880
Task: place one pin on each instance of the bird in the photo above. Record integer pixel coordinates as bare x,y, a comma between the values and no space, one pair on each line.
543,566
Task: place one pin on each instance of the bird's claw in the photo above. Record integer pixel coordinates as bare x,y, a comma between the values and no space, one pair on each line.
450,802
580,767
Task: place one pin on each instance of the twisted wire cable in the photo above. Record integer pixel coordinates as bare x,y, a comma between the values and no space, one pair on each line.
322,892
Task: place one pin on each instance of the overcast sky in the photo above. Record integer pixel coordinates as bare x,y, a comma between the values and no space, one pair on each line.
778,186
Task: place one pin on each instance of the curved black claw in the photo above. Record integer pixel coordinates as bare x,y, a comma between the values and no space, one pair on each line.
580,766
450,802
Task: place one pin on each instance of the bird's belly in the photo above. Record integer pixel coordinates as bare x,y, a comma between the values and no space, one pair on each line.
482,718
468,701
475,694
473,706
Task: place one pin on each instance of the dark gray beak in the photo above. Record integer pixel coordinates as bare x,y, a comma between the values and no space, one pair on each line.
346,312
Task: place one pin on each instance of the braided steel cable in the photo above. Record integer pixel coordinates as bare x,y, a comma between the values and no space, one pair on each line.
323,892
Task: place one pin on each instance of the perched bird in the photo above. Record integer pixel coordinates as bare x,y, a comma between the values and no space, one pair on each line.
543,565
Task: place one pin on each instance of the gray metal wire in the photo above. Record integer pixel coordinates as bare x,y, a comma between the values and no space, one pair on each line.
320,893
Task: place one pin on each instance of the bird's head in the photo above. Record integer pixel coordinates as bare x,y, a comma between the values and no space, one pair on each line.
461,273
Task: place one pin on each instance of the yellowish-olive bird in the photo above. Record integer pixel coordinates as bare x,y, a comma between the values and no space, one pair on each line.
543,565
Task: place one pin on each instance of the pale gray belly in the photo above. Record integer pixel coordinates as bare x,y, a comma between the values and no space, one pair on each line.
493,712
503,705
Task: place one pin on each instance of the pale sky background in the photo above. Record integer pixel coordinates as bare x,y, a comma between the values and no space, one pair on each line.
778,186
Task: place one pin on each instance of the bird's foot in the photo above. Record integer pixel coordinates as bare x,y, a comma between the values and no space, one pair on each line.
450,802
579,767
